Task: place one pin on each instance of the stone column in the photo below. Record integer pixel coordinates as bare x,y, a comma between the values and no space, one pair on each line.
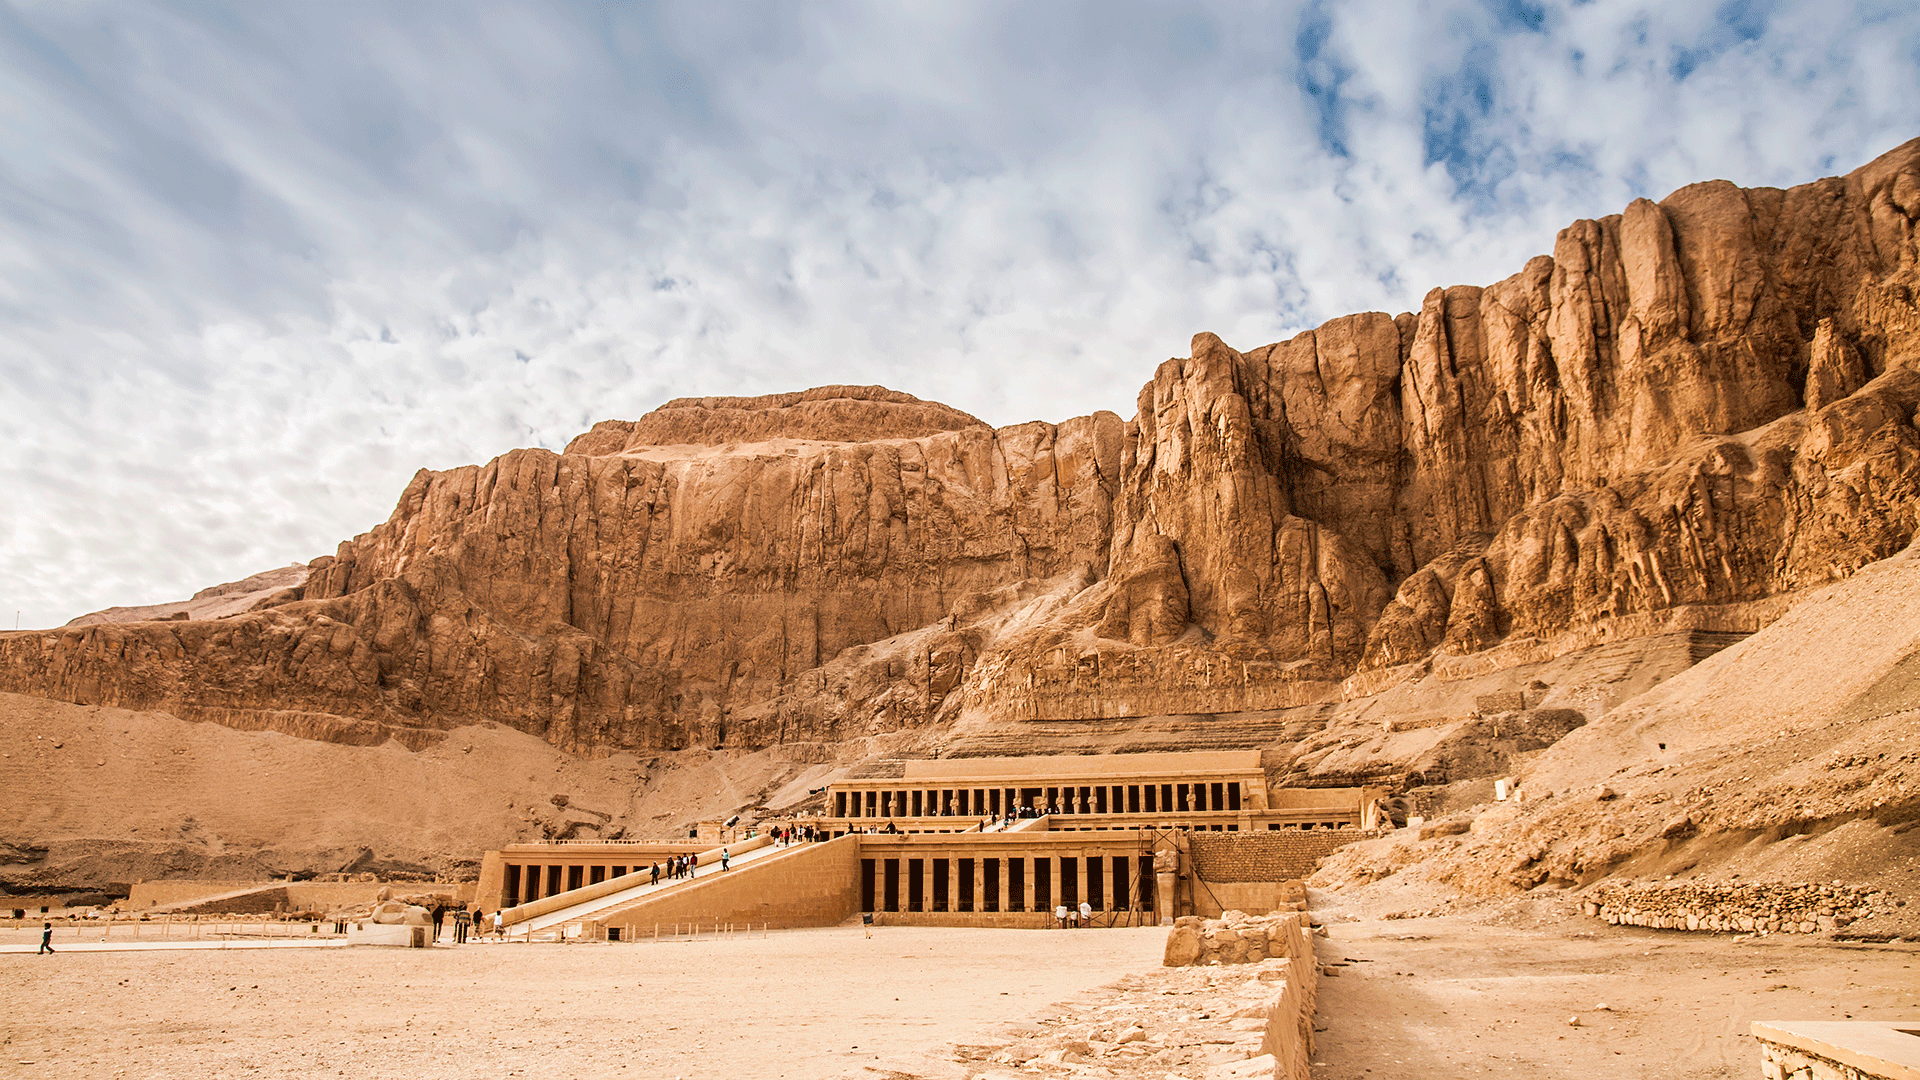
979,885
1166,863
1027,882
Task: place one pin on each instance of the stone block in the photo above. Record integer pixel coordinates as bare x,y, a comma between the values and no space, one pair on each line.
1263,1067
1183,947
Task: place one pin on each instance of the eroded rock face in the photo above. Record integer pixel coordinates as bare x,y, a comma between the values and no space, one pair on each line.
1687,409
634,595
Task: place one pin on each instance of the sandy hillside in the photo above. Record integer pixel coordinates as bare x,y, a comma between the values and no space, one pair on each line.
1791,756
90,796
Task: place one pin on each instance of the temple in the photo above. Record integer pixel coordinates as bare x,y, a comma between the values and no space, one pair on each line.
1217,791
1137,838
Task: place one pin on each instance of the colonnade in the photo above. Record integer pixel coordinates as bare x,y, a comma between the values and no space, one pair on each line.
1132,798
955,884
527,882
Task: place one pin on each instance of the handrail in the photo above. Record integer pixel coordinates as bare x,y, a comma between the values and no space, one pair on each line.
607,843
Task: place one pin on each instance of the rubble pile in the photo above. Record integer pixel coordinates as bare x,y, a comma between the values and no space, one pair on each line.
1746,907
1236,938
1220,1024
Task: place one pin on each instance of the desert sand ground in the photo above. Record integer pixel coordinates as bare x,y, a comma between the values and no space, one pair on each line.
1427,997
798,1004
1445,997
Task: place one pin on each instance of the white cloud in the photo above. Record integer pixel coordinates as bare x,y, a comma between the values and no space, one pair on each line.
256,268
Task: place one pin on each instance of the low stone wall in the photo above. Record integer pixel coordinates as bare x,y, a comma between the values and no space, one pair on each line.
1212,899
1754,907
266,897
1836,1050
1288,1008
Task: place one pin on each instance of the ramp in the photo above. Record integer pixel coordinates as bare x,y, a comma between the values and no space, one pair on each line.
580,906
815,884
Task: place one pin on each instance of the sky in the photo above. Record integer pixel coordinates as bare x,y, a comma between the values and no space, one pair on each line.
261,261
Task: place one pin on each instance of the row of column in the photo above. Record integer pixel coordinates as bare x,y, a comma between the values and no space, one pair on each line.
527,882
1105,882
1057,799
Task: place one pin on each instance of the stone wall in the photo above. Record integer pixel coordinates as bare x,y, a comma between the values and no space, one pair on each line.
1835,1050
1287,1050
1212,899
1273,855
1741,907
261,897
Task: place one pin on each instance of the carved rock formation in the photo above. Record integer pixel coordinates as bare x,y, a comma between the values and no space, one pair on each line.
1686,411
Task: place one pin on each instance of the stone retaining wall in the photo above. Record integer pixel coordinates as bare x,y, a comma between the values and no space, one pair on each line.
1270,855
1752,907
1237,938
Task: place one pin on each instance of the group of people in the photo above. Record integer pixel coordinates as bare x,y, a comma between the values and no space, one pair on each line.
466,923
1064,916
796,834
676,867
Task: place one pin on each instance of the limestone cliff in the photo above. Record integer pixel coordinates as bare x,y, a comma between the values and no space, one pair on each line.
640,588
1686,411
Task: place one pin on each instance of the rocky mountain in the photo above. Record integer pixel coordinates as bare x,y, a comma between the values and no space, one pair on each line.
1685,415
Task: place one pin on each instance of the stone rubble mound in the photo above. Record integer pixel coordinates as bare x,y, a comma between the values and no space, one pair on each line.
1249,1020
1236,938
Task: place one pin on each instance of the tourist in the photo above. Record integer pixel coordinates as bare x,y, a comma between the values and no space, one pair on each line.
439,917
1086,913
479,923
724,860
1060,917
656,874
46,938
499,925
461,920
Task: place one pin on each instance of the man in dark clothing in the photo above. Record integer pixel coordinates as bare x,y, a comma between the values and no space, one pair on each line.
439,917
46,938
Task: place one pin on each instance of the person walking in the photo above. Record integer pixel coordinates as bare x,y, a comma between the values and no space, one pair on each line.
461,920
724,860
439,918
656,874
1086,913
46,938
1060,917
499,926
